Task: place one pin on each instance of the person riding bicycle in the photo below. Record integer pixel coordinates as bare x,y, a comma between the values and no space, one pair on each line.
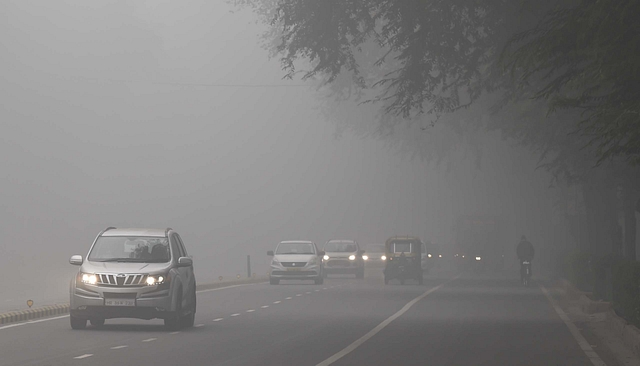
525,254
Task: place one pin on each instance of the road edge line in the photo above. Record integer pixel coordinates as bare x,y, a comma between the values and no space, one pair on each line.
582,342
358,342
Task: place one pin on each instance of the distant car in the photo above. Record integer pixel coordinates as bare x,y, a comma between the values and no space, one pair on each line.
296,260
343,256
374,256
134,273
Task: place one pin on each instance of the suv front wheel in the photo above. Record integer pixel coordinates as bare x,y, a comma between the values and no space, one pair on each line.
77,323
174,321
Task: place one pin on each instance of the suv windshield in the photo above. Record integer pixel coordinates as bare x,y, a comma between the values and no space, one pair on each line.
337,246
130,249
295,248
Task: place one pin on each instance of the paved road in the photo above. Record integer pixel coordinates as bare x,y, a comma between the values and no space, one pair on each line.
453,320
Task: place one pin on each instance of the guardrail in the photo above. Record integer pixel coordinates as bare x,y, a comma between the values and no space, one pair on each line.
52,310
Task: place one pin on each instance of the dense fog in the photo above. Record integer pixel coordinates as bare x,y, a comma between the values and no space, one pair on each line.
168,114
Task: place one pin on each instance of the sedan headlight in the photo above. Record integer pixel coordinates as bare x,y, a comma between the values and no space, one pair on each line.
365,257
326,257
352,257
312,262
156,280
89,278
384,257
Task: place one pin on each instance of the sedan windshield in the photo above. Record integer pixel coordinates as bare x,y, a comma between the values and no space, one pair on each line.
295,248
130,249
337,246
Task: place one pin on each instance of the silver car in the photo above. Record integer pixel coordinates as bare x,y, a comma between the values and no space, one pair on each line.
296,260
134,273
343,257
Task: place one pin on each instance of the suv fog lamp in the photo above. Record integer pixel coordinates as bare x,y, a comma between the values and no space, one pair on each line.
352,257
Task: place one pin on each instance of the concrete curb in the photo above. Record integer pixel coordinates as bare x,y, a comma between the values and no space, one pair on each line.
628,333
51,310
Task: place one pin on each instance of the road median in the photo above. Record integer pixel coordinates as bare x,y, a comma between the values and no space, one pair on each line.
60,309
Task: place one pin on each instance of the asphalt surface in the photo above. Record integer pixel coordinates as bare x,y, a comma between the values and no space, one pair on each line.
453,319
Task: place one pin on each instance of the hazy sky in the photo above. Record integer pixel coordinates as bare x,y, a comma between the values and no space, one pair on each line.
125,114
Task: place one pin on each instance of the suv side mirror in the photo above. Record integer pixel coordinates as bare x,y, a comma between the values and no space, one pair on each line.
76,260
270,253
185,262
321,253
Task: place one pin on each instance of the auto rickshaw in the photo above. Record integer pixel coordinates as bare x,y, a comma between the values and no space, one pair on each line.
403,259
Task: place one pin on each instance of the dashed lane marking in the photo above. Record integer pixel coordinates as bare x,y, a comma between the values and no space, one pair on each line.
308,292
83,356
236,314
298,295
224,288
250,311
380,326
217,319
199,325
275,302
582,342
264,306
174,332
119,347
317,290
149,340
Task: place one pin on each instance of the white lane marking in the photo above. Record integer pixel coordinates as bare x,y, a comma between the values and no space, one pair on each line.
277,302
236,314
217,319
47,319
324,288
380,326
582,342
83,356
250,311
175,332
308,292
12,325
149,340
119,347
224,288
199,325
264,306
288,298
298,295
317,290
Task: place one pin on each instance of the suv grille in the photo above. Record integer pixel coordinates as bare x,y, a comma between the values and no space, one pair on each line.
121,280
294,264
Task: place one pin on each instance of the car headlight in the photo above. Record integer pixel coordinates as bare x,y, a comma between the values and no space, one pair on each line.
439,255
478,258
156,280
352,257
429,255
275,262
365,257
89,278
326,257
312,262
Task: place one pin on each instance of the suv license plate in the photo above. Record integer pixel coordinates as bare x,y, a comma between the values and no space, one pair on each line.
120,302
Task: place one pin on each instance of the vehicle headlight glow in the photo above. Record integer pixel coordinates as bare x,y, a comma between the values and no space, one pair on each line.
352,257
429,255
155,280
478,258
91,279
439,255
384,257
365,257
326,257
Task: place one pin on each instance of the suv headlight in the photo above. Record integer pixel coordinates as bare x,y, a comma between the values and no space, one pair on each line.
275,262
365,257
156,280
352,257
312,261
88,278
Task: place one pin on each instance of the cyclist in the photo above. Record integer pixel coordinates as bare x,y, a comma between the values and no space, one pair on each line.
525,254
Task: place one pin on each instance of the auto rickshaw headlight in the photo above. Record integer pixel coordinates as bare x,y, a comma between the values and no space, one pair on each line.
352,257
384,257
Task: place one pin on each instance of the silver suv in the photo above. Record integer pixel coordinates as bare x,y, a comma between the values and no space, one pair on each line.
343,256
134,273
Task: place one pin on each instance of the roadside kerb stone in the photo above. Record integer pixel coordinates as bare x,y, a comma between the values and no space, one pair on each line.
52,310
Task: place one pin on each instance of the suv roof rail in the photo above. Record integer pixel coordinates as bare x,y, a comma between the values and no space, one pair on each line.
166,232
